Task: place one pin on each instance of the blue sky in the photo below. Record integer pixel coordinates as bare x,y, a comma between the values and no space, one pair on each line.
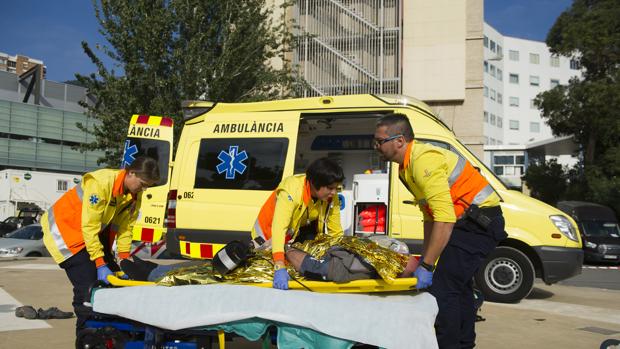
51,30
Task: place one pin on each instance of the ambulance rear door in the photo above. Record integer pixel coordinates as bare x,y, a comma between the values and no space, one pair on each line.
151,136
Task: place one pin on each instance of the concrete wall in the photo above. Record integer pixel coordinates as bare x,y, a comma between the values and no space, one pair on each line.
442,55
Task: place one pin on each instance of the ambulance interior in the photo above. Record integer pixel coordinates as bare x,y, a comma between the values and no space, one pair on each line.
348,139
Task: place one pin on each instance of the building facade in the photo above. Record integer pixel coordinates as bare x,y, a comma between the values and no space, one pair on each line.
515,72
430,50
19,64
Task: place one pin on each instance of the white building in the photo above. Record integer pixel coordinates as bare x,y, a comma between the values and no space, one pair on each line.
515,72
20,187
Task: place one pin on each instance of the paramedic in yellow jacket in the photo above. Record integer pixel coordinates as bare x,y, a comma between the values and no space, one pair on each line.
297,201
105,200
463,223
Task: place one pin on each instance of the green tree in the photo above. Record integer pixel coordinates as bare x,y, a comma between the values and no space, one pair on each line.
547,181
167,51
588,108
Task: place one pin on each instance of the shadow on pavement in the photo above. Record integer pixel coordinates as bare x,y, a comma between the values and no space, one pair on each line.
538,293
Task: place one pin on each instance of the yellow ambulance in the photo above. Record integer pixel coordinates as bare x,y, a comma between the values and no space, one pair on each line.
231,156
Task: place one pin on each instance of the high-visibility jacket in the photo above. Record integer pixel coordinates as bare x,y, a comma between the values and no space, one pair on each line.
290,207
75,221
443,183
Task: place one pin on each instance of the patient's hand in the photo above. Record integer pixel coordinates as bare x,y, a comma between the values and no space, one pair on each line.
412,265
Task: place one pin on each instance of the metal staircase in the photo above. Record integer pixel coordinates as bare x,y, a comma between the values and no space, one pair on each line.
349,46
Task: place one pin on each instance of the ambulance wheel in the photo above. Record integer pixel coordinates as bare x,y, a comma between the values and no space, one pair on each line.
507,276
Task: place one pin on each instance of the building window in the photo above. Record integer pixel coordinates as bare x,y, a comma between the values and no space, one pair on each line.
485,41
493,119
500,51
514,78
513,124
574,64
535,127
513,101
61,185
500,98
500,122
554,61
486,91
534,58
492,48
492,94
503,160
534,80
486,66
499,74
2,60
492,70
499,170
520,159
554,83
486,117
513,55
12,64
533,104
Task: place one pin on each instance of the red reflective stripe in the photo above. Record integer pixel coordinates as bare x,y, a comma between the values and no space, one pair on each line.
187,249
147,234
142,119
166,122
206,251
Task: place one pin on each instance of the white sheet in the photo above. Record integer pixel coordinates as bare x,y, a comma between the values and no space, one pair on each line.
394,321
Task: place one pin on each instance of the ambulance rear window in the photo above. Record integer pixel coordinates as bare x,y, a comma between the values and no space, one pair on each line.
157,149
240,163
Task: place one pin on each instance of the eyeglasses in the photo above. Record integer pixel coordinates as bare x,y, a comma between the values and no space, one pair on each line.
379,142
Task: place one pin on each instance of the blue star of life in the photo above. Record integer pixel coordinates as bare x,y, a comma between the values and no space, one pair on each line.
94,199
232,162
129,154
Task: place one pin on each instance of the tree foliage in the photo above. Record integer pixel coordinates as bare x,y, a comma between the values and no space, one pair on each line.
547,181
589,108
167,51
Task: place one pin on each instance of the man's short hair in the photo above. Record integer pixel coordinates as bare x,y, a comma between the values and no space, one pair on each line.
397,124
146,168
324,172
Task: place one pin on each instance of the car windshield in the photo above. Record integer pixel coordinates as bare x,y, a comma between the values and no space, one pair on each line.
601,229
26,233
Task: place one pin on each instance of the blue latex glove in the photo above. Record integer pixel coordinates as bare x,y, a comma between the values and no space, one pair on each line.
425,278
280,279
103,272
122,275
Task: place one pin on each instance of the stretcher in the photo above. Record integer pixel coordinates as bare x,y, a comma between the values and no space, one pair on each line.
197,316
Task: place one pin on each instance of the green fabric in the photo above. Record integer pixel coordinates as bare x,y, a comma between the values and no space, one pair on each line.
289,336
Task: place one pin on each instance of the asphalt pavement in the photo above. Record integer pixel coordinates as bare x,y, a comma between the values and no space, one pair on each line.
566,315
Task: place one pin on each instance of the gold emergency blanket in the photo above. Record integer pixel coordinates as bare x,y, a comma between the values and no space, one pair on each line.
259,268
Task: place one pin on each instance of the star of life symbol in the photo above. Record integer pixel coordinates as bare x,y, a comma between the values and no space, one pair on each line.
94,199
129,154
232,162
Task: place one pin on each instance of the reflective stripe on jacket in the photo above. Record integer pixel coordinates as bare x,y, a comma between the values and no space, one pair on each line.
76,219
443,183
290,207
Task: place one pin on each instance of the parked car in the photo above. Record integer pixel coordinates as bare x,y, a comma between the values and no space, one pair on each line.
24,242
25,217
599,230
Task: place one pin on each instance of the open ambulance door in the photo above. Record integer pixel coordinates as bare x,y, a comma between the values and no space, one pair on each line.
151,136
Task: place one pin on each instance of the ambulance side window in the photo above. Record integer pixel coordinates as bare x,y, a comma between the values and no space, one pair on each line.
156,149
240,163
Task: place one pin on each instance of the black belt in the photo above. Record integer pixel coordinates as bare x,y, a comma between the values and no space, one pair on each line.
492,211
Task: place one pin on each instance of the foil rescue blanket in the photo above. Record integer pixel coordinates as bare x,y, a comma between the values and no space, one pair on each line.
402,320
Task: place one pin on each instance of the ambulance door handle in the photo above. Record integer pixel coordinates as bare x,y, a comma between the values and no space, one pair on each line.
408,202
149,196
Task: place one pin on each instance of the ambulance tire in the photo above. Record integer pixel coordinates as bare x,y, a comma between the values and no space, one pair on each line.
507,276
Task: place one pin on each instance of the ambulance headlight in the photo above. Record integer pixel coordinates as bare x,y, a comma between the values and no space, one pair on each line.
565,227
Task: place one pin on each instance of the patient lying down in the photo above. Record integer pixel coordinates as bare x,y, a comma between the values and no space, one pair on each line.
326,258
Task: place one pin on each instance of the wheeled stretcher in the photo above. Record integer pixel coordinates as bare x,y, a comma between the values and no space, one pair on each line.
195,316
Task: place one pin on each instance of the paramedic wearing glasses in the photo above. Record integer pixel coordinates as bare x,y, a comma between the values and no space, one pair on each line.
463,223
74,228
297,201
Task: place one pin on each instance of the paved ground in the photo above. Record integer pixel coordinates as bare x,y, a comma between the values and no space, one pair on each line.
557,316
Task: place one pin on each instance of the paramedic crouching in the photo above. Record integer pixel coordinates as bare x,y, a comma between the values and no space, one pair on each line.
463,223
84,219
298,201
